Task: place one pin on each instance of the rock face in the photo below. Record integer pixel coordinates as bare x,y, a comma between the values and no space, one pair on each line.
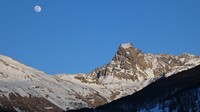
16,102
130,63
129,71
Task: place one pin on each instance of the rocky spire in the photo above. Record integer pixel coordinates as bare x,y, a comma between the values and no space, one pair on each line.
130,63
131,55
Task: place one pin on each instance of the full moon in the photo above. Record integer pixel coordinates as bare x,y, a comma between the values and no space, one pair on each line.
37,8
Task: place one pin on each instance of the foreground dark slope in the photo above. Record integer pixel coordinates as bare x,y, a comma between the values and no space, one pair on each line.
178,92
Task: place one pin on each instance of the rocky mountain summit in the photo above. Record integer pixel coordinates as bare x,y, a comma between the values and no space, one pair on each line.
131,63
129,71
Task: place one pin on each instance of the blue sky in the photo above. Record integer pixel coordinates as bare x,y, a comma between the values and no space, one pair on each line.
72,36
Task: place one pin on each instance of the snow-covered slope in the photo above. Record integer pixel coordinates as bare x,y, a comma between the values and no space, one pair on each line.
129,71
177,93
18,78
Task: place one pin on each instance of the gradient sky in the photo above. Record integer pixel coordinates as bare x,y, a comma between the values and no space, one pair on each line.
72,36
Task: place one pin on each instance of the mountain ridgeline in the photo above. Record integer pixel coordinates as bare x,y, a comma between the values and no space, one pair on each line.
23,88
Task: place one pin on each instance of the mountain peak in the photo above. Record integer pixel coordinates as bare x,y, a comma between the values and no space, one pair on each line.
126,45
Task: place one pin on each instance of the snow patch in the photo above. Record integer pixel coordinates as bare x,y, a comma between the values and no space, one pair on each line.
48,108
17,109
126,45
